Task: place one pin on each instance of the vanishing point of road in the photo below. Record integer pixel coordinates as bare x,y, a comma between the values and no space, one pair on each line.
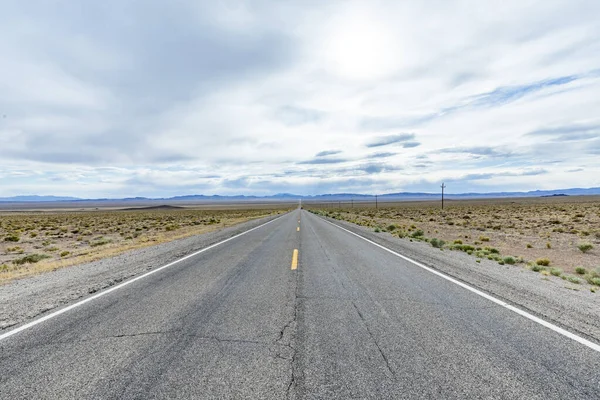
296,308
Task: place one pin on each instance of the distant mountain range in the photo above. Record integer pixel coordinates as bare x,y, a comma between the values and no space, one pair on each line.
320,197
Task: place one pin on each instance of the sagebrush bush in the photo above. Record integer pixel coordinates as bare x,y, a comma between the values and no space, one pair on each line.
437,243
510,260
30,259
537,268
417,234
542,261
585,247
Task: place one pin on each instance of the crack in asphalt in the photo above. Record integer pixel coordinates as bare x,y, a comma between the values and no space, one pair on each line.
385,359
288,340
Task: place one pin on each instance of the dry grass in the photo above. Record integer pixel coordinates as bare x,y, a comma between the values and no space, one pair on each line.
527,229
36,242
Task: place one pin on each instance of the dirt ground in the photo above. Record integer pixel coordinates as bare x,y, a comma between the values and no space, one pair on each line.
34,242
528,228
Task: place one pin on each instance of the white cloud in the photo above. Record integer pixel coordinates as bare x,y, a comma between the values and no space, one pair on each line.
237,97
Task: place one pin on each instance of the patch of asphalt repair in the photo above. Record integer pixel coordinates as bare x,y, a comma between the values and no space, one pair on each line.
22,300
573,307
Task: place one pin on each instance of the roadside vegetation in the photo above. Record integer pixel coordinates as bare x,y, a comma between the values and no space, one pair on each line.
555,237
35,242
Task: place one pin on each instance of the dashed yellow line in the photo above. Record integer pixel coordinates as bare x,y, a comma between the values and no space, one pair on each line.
298,229
295,259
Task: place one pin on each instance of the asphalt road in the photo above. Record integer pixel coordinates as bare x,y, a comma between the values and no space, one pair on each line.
237,321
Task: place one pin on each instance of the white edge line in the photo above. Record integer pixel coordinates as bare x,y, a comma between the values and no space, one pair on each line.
119,286
525,314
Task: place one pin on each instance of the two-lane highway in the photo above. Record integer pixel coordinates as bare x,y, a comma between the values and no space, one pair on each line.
299,310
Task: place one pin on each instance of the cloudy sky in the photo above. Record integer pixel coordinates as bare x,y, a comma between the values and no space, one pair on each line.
158,98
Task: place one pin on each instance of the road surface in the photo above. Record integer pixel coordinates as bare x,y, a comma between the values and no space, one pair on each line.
252,318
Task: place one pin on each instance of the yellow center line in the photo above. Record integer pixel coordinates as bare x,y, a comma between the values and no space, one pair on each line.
298,229
295,259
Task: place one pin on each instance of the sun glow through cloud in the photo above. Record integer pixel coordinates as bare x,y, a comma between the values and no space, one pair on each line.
359,45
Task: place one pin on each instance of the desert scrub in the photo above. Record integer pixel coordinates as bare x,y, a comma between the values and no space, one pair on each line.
593,277
556,271
510,260
594,281
100,242
580,270
585,247
12,238
417,234
437,243
30,259
543,262
537,268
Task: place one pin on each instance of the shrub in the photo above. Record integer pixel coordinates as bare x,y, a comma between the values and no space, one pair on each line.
594,281
556,271
377,230
529,246
585,247
548,245
30,259
391,227
417,234
580,270
12,238
458,241
100,242
437,243
573,279
64,253
537,268
510,260
492,250
484,238
542,261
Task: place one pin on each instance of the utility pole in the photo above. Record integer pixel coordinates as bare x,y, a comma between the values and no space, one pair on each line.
352,203
443,187
376,202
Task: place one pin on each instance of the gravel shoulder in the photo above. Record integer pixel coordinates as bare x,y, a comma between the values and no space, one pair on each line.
24,299
570,306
